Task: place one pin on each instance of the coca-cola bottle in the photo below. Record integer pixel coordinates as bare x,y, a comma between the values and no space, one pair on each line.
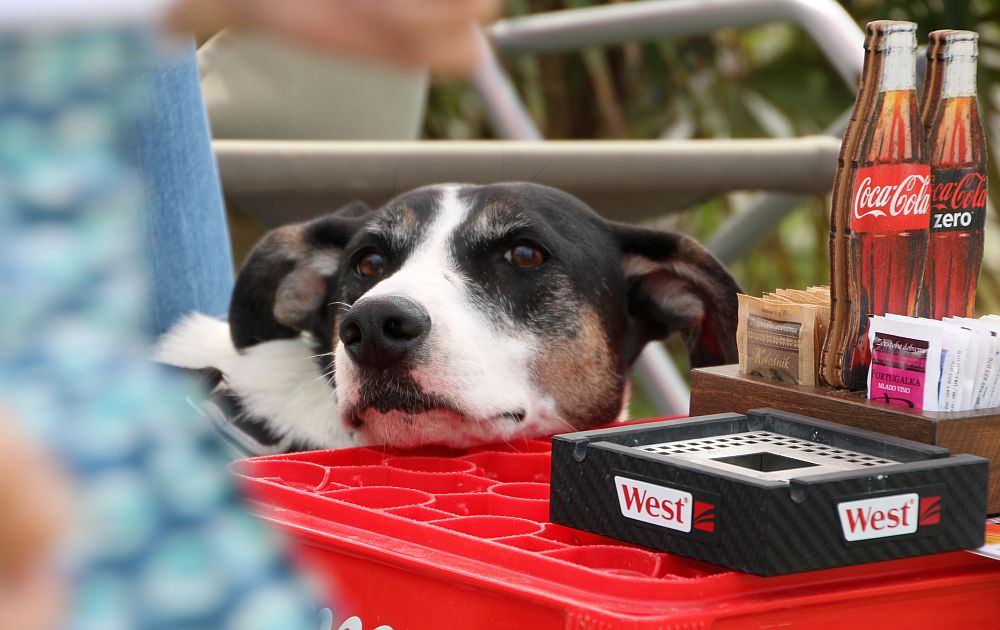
889,203
956,150
840,303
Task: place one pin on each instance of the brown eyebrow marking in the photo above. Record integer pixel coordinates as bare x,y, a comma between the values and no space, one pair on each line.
496,222
398,226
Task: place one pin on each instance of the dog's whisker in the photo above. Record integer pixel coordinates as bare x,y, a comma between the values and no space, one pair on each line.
324,375
565,423
316,356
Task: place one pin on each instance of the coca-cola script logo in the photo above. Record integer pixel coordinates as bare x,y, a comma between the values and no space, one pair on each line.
958,200
882,517
968,193
891,198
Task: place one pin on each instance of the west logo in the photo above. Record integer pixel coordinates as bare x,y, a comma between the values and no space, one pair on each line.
660,505
882,517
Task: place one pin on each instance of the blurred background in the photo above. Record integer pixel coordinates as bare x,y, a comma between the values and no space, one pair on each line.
768,81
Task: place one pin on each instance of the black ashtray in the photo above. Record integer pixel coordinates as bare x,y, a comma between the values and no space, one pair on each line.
768,492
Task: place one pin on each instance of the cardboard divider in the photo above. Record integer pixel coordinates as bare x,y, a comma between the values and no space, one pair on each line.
672,566
512,467
431,464
527,499
532,543
293,474
525,490
577,537
517,446
361,476
432,482
490,527
381,497
440,483
420,513
363,456
628,561
485,504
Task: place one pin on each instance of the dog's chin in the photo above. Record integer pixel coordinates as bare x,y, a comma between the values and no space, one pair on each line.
440,426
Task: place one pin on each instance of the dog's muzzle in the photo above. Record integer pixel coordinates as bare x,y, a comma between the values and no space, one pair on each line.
384,332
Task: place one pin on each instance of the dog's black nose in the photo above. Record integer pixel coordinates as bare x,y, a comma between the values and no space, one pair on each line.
380,332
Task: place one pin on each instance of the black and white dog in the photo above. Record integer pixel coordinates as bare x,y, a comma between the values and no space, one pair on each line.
453,315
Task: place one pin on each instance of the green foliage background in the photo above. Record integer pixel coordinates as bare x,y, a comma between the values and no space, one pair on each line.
758,82
765,81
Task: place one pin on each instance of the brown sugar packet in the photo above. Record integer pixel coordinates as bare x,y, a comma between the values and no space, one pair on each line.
821,299
803,297
776,340
779,298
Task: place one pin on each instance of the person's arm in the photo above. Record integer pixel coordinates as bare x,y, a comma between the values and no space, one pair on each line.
434,33
32,505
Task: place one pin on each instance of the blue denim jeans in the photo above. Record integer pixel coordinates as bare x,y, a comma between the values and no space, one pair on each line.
184,234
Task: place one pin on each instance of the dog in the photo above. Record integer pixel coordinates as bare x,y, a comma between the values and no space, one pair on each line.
453,315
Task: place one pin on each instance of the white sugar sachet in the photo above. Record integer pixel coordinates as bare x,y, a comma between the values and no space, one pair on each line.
956,382
956,386
987,370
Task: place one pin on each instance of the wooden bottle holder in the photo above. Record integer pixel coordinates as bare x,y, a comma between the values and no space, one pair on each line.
723,389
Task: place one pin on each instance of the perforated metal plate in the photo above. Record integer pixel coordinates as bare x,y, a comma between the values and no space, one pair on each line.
766,455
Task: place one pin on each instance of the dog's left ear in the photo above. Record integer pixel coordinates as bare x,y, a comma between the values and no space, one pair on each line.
676,285
280,290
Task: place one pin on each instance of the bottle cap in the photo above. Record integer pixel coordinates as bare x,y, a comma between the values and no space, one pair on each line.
959,44
899,36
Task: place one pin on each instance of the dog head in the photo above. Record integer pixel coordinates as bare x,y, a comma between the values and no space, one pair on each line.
460,314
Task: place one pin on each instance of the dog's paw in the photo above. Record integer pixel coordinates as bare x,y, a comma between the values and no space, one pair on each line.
195,343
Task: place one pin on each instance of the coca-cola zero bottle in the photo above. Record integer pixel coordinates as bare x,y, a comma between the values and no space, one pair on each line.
956,151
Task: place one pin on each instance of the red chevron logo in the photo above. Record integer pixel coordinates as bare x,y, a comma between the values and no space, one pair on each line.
704,516
930,510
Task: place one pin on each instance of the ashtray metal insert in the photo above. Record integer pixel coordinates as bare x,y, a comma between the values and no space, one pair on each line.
767,455
768,492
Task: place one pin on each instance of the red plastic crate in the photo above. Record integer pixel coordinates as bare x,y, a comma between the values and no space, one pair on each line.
438,539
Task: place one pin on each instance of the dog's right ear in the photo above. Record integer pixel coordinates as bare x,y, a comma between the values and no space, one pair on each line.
280,290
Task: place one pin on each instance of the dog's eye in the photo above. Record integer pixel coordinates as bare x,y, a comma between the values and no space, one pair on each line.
370,264
525,255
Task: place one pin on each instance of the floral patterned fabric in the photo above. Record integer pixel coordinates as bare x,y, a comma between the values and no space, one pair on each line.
158,539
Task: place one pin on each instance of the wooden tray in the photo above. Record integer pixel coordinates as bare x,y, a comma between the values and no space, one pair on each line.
722,389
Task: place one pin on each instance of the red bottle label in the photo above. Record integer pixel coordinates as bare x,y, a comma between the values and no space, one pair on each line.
958,200
891,198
